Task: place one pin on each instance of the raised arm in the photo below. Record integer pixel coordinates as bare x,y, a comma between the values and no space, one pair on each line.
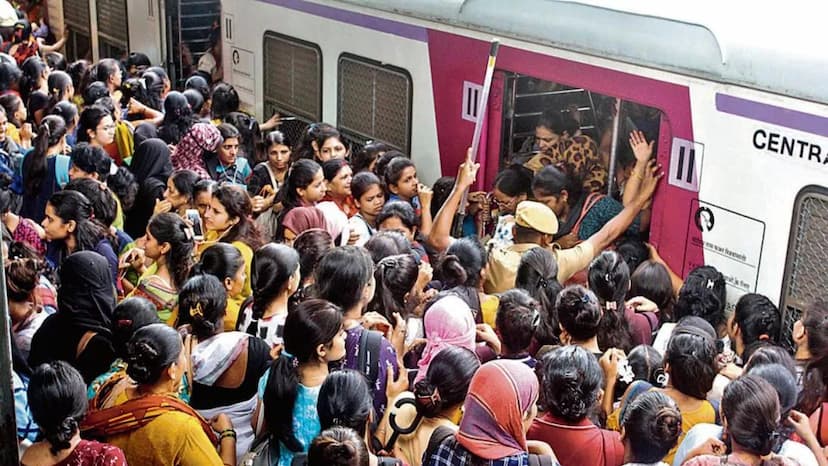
440,235
643,151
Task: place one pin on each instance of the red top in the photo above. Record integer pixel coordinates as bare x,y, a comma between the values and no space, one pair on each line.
91,453
581,443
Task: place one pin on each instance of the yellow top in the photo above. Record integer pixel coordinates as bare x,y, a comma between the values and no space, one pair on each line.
233,302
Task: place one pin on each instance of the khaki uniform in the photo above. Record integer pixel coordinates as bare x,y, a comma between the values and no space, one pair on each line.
503,264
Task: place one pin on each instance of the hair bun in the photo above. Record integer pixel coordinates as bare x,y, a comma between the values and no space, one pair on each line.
667,424
427,398
140,359
341,454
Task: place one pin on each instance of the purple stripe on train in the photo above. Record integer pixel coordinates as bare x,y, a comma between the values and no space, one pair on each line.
357,19
772,114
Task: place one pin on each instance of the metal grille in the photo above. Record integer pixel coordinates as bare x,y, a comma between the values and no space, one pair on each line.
293,76
374,103
807,269
112,23
76,15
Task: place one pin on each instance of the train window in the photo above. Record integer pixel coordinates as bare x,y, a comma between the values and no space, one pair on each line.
588,114
374,102
292,77
807,263
76,17
113,35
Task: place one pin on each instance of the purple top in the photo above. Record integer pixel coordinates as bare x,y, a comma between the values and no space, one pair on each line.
387,355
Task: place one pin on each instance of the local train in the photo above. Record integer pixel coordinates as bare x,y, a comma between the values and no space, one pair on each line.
734,97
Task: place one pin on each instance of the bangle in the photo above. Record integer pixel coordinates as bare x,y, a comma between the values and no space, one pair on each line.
227,433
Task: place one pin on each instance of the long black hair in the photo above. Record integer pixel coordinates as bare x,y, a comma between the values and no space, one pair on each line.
73,206
150,351
50,133
178,118
273,265
312,323
446,382
395,277
345,400
57,400
170,228
202,301
538,275
609,279
342,274
238,205
301,175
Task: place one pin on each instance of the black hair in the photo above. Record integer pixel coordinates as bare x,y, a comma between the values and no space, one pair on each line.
198,84
345,400
514,180
394,170
201,185
751,407
38,102
251,144
178,118
652,426
128,316
55,61
770,354
185,182
94,91
609,279
652,281
387,243
446,382
273,265
311,245
10,103
815,379
9,75
383,161
237,203
225,100
646,364
228,131
221,260
400,210
72,205
123,184
395,277
312,323
104,207
316,133
338,446
194,99
301,175
153,79
170,228
152,349
703,294
551,181
59,84
558,122
538,275
79,71
442,190
91,159
50,133
90,118
57,400
32,70
276,137
363,159
330,168
578,312
202,301
691,356
362,182
571,382
342,274
516,321
633,251
66,110
137,59
462,264
758,319
22,277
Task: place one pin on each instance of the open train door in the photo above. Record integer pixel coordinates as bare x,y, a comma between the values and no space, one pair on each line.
187,30
97,29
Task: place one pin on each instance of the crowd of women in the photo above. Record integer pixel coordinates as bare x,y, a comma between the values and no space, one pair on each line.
187,286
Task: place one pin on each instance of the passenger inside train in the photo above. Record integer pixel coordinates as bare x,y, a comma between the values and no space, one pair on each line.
187,286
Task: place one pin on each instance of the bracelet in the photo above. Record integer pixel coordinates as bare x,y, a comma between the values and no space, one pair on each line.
227,433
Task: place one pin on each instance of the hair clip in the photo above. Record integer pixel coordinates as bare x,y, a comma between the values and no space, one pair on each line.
197,311
586,298
607,277
535,318
433,397
543,282
611,305
710,284
625,372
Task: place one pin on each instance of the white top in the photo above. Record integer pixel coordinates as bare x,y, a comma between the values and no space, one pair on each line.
701,432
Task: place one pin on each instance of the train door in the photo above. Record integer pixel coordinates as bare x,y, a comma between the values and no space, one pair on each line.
76,14
97,29
145,33
187,29
113,28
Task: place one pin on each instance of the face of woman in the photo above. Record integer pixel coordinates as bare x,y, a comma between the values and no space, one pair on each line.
54,226
394,223
228,150
216,217
545,139
174,196
76,173
371,202
315,190
202,202
340,185
152,248
235,284
408,184
104,133
336,349
278,155
21,113
332,148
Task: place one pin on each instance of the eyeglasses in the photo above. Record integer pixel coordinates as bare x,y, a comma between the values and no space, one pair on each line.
501,204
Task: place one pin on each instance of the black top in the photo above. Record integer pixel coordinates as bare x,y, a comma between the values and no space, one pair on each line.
56,340
258,361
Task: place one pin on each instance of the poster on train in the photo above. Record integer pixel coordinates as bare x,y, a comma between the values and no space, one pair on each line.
731,242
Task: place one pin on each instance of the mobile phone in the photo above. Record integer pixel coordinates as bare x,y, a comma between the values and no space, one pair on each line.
195,219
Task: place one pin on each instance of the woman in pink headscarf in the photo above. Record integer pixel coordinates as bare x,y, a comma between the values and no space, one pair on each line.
447,322
189,152
500,406
301,219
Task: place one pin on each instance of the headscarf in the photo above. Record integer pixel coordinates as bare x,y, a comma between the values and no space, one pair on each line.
86,297
501,392
189,152
300,219
448,322
151,161
335,219
143,132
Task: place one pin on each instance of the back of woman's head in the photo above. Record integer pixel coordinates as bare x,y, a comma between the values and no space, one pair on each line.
363,159
338,446
128,316
104,207
704,295
579,312
516,321
750,406
758,319
225,100
462,264
311,323
273,265
171,228
152,349
202,301
345,400
342,275
50,133
646,364
221,260
633,251
609,279
538,275
551,181
124,185
311,245
771,354
782,380
652,426
395,277
691,359
447,380
652,281
22,277
571,382
57,400
387,243
67,111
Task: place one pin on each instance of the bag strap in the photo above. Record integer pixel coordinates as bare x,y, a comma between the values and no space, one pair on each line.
438,436
590,202
84,342
62,163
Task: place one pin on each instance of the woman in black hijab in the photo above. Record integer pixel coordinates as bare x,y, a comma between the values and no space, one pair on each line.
152,167
79,333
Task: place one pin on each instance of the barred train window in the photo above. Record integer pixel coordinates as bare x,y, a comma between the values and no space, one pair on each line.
806,271
292,77
374,102
76,16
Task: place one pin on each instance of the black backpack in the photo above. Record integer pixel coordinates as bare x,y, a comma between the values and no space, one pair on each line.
368,358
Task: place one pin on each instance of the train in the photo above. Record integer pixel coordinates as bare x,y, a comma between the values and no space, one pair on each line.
733,96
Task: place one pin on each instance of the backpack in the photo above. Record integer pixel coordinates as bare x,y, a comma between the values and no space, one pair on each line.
368,358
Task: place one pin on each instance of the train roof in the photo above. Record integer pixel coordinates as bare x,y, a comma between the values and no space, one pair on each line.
772,47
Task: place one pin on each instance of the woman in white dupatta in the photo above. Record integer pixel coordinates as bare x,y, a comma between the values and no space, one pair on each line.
226,365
